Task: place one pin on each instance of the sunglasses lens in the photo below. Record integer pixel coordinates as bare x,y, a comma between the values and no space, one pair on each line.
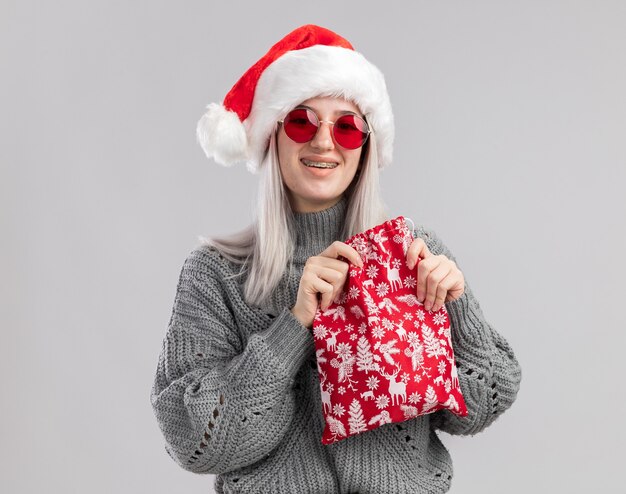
350,131
300,125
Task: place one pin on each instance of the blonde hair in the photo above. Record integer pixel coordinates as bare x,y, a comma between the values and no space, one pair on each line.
264,249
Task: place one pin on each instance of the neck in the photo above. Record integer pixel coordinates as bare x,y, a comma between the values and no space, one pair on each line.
315,231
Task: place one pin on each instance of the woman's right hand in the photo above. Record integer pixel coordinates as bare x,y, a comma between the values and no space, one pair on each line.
324,274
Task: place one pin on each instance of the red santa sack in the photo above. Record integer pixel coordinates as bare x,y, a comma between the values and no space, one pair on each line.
381,356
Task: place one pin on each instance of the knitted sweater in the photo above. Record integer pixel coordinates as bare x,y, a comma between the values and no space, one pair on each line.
237,392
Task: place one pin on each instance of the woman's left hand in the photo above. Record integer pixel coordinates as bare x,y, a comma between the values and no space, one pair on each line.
438,278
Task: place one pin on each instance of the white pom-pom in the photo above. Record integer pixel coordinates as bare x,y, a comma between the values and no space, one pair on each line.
222,135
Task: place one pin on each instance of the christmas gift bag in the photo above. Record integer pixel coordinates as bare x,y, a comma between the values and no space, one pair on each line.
381,356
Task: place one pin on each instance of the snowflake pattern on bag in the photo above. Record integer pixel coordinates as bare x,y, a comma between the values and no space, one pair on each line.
381,356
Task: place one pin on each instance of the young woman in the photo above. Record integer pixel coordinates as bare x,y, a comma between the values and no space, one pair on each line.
237,391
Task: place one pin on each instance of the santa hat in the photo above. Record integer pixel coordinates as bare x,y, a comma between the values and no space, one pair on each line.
308,62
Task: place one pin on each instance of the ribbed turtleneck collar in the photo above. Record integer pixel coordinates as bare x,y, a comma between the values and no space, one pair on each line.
316,231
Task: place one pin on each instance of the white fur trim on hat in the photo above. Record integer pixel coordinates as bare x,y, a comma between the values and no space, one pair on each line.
222,135
319,70
298,75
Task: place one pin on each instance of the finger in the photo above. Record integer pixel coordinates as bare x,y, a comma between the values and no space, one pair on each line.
333,271
458,286
329,262
418,248
335,279
442,291
337,289
317,285
433,280
338,248
424,268
338,292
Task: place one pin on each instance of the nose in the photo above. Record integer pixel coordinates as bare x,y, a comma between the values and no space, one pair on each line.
323,139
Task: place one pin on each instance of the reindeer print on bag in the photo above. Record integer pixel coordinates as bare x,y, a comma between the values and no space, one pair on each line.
381,357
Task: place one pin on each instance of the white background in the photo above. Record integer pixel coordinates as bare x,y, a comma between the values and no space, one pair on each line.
511,125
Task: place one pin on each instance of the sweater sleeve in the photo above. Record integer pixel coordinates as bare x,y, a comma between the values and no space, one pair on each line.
221,405
489,373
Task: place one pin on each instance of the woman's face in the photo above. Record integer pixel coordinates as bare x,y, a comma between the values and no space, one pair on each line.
314,189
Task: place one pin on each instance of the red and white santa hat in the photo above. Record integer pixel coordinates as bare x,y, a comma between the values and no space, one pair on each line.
308,62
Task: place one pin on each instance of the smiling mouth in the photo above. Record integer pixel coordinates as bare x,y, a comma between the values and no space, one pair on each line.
319,164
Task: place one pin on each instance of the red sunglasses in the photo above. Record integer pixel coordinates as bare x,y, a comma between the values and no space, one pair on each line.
349,131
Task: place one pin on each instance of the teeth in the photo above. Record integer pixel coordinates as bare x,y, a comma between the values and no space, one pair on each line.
319,164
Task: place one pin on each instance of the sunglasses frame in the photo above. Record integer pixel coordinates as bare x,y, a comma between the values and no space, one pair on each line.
332,124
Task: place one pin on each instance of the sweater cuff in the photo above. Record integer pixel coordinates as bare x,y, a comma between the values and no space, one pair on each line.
465,319
289,341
